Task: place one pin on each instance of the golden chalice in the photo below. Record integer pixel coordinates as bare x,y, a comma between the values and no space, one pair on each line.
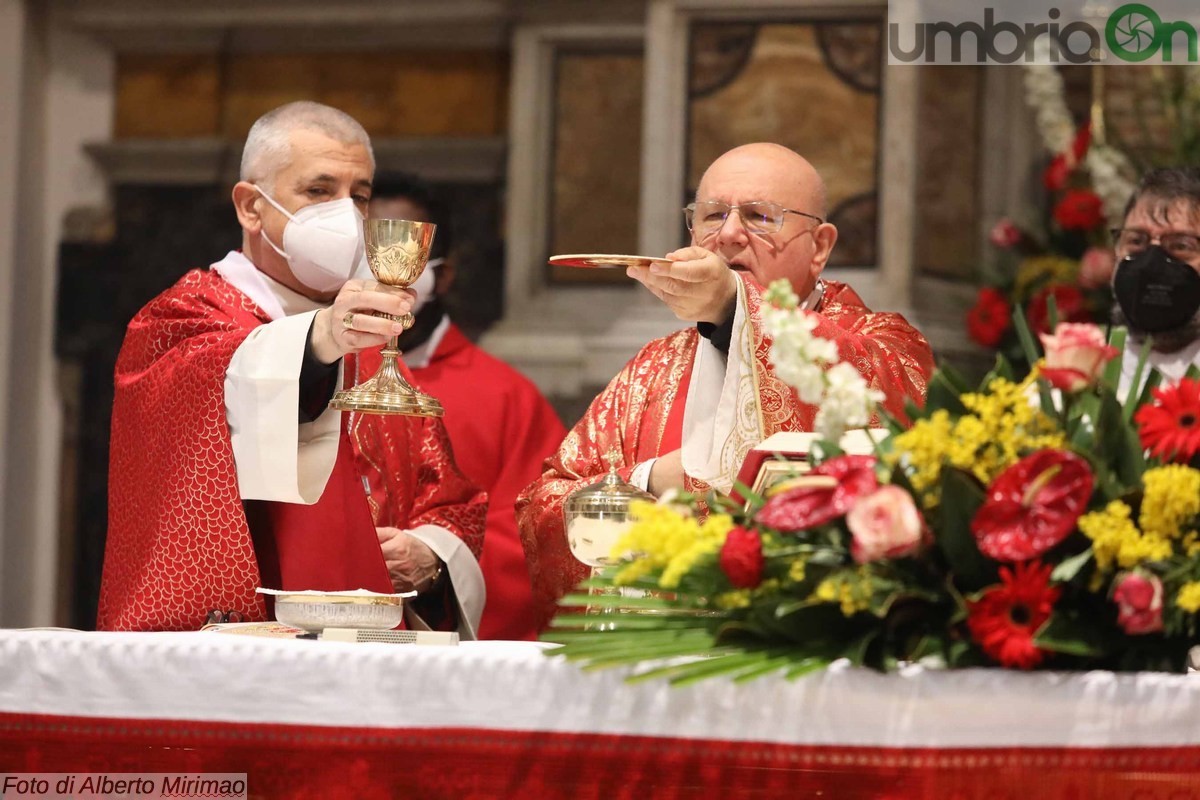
397,250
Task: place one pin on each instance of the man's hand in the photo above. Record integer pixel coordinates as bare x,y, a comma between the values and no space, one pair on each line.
411,565
667,473
357,304
698,286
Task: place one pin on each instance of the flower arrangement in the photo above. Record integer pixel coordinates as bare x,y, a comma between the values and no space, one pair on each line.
1037,522
1070,260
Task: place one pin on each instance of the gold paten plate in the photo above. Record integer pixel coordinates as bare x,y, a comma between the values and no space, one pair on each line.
604,260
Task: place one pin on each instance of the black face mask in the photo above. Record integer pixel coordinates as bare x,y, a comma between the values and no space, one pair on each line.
425,322
1156,292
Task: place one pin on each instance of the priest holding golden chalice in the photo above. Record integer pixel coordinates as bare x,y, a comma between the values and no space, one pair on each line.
231,469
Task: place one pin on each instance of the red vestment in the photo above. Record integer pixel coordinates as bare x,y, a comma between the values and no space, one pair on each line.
640,413
179,544
502,430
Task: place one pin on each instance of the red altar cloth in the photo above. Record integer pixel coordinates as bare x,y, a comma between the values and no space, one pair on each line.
292,761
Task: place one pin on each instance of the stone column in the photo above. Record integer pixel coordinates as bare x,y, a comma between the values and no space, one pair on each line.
60,86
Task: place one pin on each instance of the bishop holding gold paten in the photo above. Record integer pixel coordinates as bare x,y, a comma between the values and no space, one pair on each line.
686,410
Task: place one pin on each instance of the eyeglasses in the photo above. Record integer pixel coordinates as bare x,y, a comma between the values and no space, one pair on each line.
706,218
1180,245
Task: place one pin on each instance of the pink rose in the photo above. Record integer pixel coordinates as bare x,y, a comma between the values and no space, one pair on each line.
884,524
1075,355
1139,599
1005,234
1096,267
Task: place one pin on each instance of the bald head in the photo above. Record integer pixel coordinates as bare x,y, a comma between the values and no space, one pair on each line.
782,175
768,173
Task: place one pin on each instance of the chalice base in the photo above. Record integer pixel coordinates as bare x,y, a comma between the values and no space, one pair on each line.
387,393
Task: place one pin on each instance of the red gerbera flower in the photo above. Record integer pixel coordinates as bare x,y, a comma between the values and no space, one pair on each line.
1079,210
1170,427
988,320
1032,505
1005,618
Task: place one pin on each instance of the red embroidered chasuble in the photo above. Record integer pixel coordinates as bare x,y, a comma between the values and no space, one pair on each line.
640,412
179,543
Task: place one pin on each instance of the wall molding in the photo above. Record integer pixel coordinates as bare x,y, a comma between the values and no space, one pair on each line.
212,160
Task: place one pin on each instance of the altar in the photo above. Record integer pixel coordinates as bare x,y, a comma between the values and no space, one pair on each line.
319,719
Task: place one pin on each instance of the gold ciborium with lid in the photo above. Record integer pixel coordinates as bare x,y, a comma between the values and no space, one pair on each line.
595,516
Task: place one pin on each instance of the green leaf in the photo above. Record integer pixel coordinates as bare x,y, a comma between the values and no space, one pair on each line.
678,604
1112,370
1135,386
1002,369
1069,568
753,498
805,665
928,645
961,498
1117,444
1072,636
858,647
1030,349
630,622
943,393
960,653
1153,380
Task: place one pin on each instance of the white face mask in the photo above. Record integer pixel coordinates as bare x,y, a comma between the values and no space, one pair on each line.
323,243
424,286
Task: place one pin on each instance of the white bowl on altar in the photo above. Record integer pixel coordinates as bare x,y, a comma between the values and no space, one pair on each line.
316,611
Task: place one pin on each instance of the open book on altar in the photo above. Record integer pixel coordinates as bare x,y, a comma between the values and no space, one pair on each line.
784,455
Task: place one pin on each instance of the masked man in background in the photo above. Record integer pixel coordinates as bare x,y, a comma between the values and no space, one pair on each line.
686,410
228,470
501,426
1157,277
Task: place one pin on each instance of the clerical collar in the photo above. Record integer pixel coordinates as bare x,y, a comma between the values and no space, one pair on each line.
271,296
292,301
814,297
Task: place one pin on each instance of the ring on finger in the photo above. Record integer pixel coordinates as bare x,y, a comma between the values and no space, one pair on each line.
348,320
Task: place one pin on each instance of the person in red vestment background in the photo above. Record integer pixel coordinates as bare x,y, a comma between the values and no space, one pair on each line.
228,469
501,426
685,411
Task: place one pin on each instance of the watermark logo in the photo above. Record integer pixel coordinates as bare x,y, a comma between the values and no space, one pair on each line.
1031,32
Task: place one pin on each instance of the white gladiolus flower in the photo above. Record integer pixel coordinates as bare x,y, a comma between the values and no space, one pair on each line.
811,366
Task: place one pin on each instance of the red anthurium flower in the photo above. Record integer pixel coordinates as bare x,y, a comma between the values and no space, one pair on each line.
988,320
1079,210
741,558
827,493
1071,305
1170,426
1004,620
1032,505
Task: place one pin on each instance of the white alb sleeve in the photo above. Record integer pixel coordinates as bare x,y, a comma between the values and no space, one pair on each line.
277,457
